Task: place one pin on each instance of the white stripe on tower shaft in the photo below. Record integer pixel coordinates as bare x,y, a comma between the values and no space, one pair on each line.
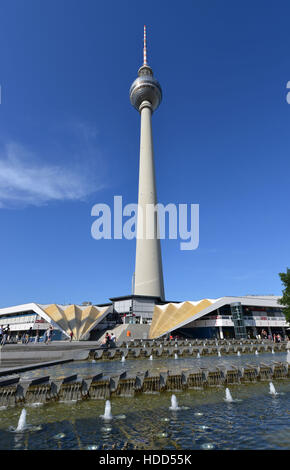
148,268
145,48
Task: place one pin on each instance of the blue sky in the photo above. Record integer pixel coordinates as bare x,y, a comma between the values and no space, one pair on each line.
69,139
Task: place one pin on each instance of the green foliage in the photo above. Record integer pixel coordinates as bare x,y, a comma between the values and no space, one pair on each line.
285,299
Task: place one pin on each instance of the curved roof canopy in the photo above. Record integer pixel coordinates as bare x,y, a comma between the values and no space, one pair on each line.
79,319
171,316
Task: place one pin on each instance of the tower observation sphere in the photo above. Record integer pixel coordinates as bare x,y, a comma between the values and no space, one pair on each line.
145,88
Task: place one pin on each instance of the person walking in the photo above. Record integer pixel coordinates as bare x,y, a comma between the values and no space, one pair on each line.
28,334
47,335
71,336
8,333
4,337
37,336
51,334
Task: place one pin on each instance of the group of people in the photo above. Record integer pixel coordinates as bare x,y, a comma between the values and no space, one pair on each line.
110,340
4,334
264,334
25,337
175,337
277,338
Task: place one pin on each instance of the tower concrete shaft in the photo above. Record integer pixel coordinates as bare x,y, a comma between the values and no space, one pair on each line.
148,267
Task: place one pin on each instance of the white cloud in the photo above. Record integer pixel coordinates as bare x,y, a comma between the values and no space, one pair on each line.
26,180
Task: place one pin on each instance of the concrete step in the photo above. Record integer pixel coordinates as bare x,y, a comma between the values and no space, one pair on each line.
137,332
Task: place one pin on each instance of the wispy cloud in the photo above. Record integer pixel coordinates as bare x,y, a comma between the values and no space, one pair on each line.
27,179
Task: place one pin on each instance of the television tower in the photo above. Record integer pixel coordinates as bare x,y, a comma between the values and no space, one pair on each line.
145,96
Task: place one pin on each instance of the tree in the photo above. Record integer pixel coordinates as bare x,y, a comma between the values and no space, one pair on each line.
285,299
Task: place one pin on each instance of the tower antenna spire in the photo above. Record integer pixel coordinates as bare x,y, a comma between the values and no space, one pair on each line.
145,48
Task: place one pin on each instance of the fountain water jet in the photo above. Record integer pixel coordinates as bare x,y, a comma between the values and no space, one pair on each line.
107,414
229,397
151,358
207,446
174,404
272,389
175,356
22,421
123,359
